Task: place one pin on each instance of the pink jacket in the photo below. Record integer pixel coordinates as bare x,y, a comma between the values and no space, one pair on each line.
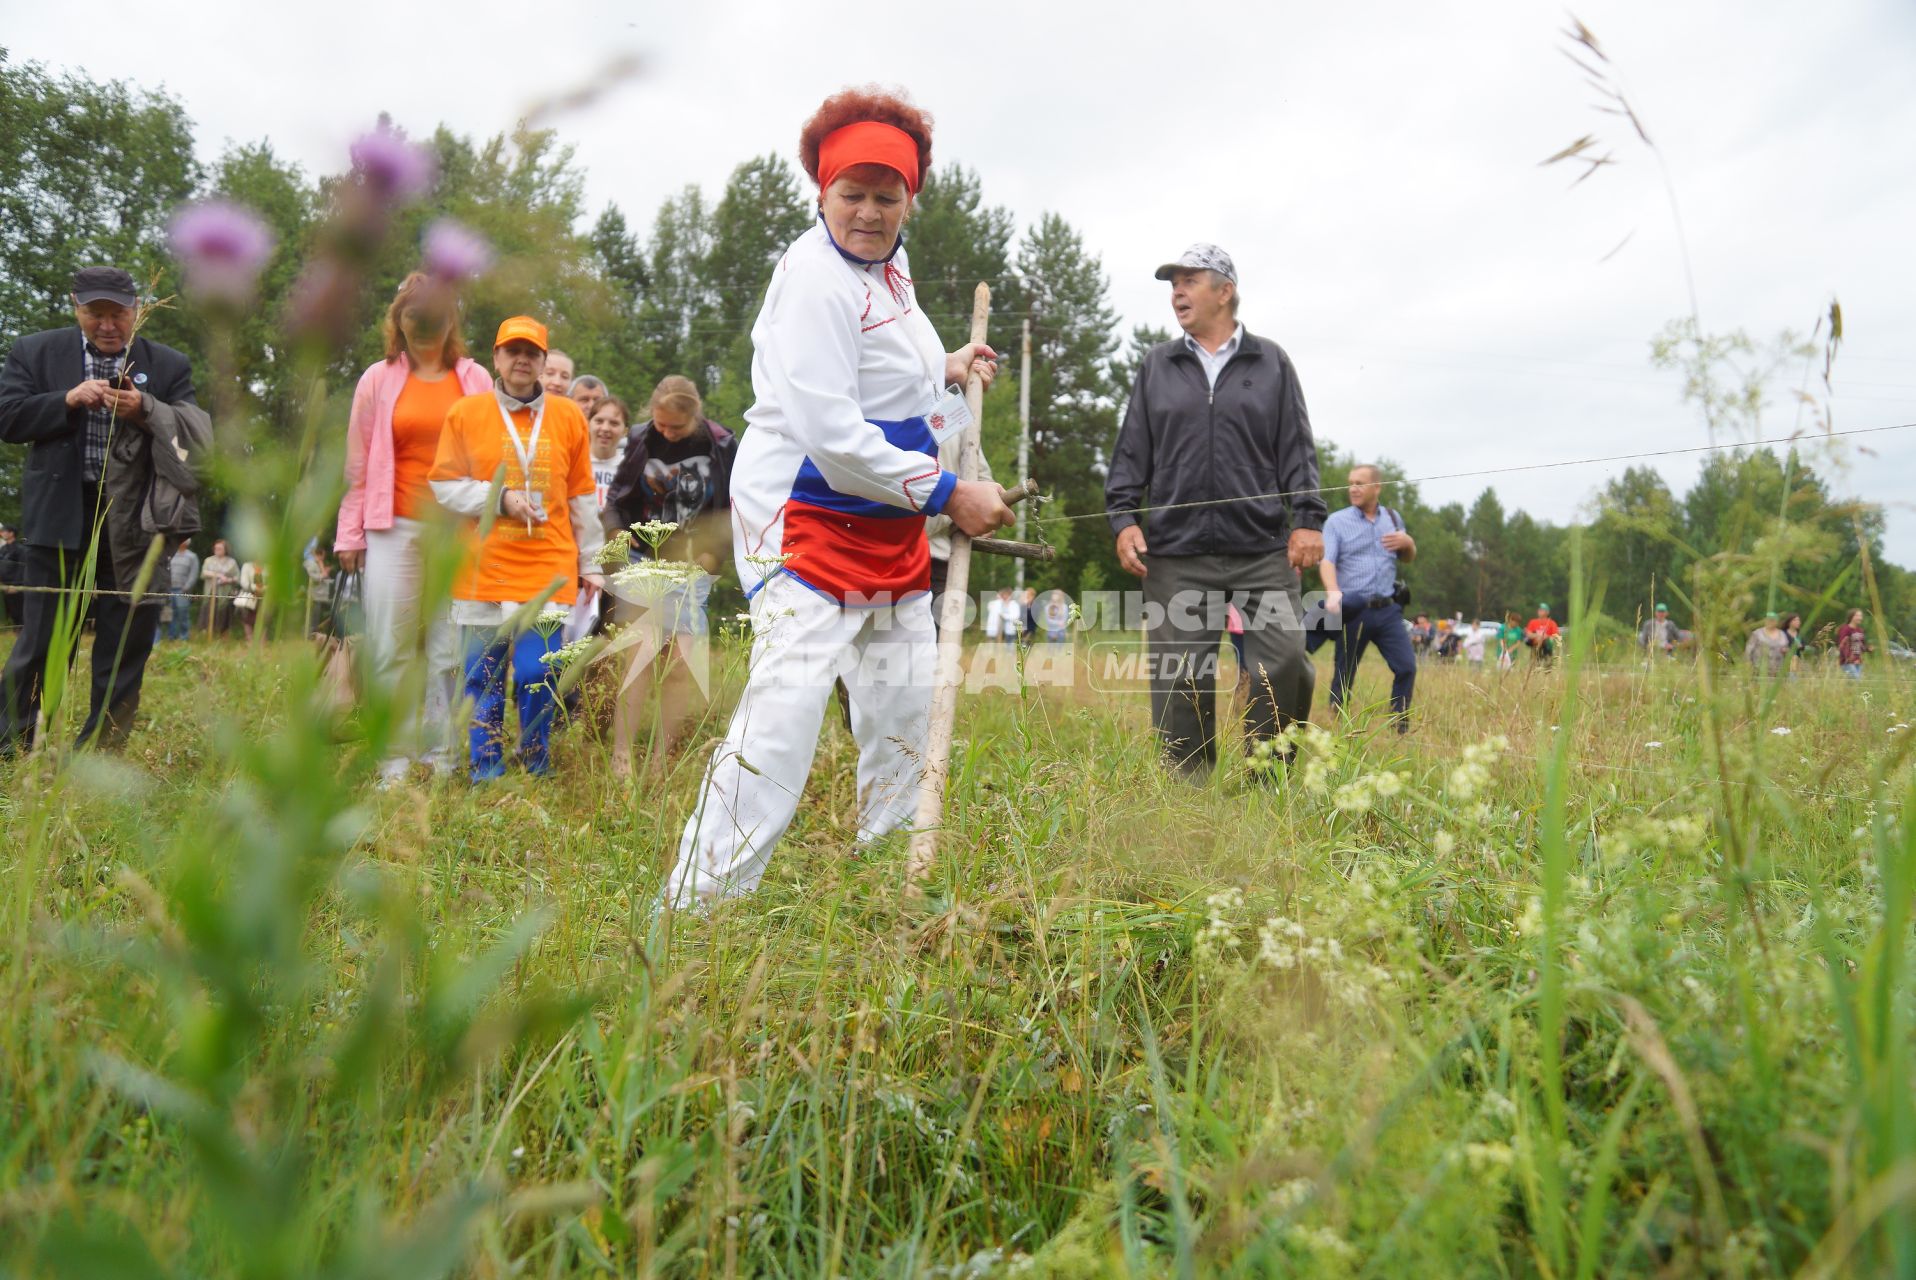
368,503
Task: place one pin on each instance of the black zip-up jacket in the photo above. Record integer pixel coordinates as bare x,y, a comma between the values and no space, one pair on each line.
627,498
1183,442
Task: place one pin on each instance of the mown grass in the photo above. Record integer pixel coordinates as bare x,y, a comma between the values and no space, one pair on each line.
1347,1025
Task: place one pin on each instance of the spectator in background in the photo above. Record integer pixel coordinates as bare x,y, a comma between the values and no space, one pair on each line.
609,423
1768,649
1001,616
110,418
677,469
1364,544
392,438
252,589
12,571
588,393
1852,642
1658,634
1028,615
319,586
1421,633
556,379
1793,628
1509,640
1540,633
219,579
1474,640
544,543
1216,428
1057,617
182,580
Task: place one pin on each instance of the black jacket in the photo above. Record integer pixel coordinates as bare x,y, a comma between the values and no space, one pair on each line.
40,369
1183,442
625,499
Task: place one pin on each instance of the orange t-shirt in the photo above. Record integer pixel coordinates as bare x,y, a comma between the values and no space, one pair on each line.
418,416
511,563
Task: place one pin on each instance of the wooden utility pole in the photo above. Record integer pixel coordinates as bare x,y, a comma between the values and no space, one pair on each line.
1024,447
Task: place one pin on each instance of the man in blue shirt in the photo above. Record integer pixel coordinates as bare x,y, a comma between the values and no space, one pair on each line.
1363,545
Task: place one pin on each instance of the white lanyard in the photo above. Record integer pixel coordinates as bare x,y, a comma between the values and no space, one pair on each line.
523,449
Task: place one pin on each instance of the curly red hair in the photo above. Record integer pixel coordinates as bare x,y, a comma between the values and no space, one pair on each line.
867,102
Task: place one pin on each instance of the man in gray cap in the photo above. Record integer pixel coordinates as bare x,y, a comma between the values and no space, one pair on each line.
1216,447
110,422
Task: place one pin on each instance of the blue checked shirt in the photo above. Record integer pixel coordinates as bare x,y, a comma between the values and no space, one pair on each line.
1355,548
99,420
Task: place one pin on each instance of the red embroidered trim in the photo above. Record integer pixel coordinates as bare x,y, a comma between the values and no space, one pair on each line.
881,324
760,540
899,295
914,480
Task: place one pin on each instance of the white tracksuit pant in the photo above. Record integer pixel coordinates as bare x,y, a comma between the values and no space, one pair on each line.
887,657
393,581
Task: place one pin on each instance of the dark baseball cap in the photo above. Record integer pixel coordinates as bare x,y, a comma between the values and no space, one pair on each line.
94,284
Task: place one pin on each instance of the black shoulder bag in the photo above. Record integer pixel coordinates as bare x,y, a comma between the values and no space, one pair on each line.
1399,589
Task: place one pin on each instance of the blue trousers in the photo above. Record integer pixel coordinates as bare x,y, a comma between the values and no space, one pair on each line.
181,624
1384,627
490,663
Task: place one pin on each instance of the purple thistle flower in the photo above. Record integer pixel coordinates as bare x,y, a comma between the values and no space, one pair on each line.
223,247
393,167
455,252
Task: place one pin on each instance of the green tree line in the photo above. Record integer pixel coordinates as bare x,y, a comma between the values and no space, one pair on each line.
91,172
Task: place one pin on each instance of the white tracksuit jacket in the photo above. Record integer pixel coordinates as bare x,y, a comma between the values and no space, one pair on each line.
839,468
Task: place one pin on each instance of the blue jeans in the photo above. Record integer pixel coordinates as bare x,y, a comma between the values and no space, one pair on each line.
180,626
1854,670
490,662
1382,626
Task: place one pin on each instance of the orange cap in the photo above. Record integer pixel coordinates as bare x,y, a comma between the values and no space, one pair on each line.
521,329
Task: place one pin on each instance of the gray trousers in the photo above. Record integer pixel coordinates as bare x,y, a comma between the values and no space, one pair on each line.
1185,604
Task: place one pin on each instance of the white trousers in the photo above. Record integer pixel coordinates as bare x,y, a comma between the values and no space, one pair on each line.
394,579
886,656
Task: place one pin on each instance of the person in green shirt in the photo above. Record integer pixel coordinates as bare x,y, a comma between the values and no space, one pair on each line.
1509,640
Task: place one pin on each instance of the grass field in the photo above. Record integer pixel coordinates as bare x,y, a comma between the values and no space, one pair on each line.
1597,973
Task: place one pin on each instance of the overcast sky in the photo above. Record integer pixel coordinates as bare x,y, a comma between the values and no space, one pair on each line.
1372,168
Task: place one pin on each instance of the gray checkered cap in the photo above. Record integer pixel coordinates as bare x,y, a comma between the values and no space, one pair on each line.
1201,257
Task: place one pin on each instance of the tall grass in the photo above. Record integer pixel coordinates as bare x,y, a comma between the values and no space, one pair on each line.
1499,1015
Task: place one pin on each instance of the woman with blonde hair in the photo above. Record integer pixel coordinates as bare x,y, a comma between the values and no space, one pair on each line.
392,438
677,470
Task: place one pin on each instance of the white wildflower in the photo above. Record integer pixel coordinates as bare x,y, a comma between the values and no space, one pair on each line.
1353,797
1482,1156
654,532
1652,745
1322,1240
1781,731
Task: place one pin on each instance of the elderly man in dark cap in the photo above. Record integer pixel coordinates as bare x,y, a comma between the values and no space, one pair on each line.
1216,454
111,425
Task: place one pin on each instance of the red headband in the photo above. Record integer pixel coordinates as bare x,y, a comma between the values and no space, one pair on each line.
868,142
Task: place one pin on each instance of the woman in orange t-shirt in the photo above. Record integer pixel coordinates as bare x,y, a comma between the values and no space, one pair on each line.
543,544
391,440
